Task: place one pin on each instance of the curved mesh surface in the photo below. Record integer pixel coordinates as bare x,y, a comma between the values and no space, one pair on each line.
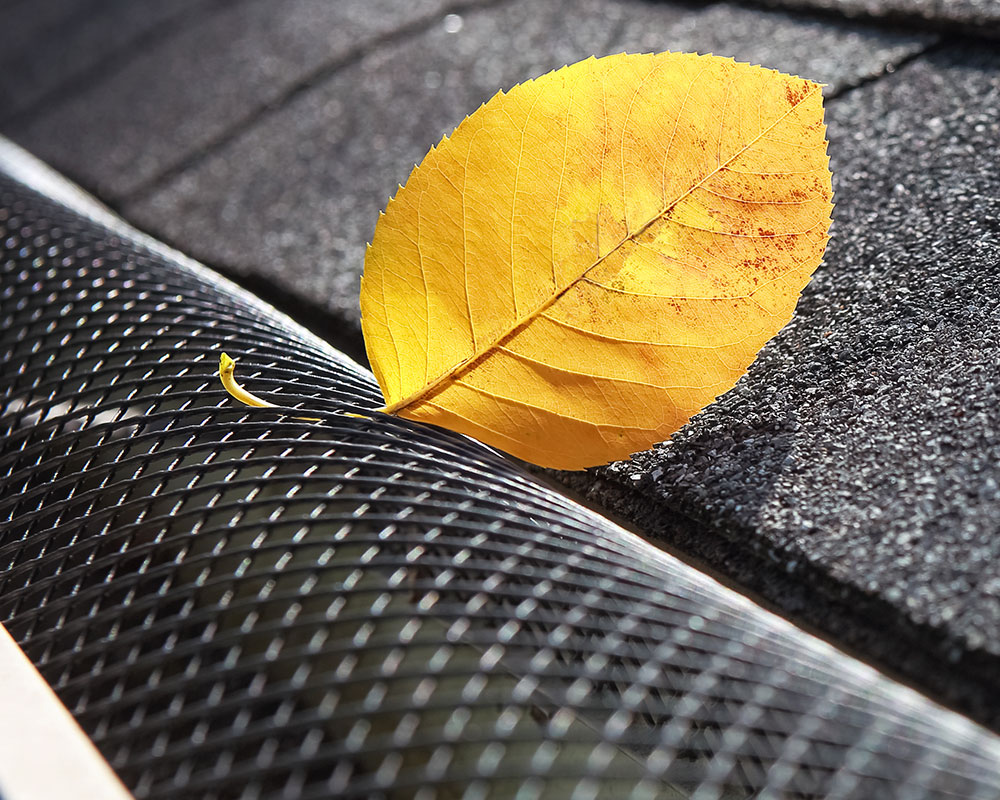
235,603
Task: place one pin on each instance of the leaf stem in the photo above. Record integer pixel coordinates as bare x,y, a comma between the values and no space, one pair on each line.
227,366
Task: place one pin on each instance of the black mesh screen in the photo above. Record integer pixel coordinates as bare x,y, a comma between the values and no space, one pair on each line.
235,603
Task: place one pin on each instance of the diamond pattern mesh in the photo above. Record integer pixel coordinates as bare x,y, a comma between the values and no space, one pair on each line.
235,603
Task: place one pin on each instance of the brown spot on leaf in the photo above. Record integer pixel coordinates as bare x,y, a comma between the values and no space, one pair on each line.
794,95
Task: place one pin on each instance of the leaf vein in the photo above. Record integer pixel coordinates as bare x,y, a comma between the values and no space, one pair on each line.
605,337
589,376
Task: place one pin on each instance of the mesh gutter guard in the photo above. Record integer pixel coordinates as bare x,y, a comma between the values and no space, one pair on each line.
234,603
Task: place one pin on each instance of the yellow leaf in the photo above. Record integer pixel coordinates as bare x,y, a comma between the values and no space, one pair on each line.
593,257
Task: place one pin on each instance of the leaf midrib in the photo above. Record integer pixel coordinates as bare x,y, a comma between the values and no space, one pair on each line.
431,386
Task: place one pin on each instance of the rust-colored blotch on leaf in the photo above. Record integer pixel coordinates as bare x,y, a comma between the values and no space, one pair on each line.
594,256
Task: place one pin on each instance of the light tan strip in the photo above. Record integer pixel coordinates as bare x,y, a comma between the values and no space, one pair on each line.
43,753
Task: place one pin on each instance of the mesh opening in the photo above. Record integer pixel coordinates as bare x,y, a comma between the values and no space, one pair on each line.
235,603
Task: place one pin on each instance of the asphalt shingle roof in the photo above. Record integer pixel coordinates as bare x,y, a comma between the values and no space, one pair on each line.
978,16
